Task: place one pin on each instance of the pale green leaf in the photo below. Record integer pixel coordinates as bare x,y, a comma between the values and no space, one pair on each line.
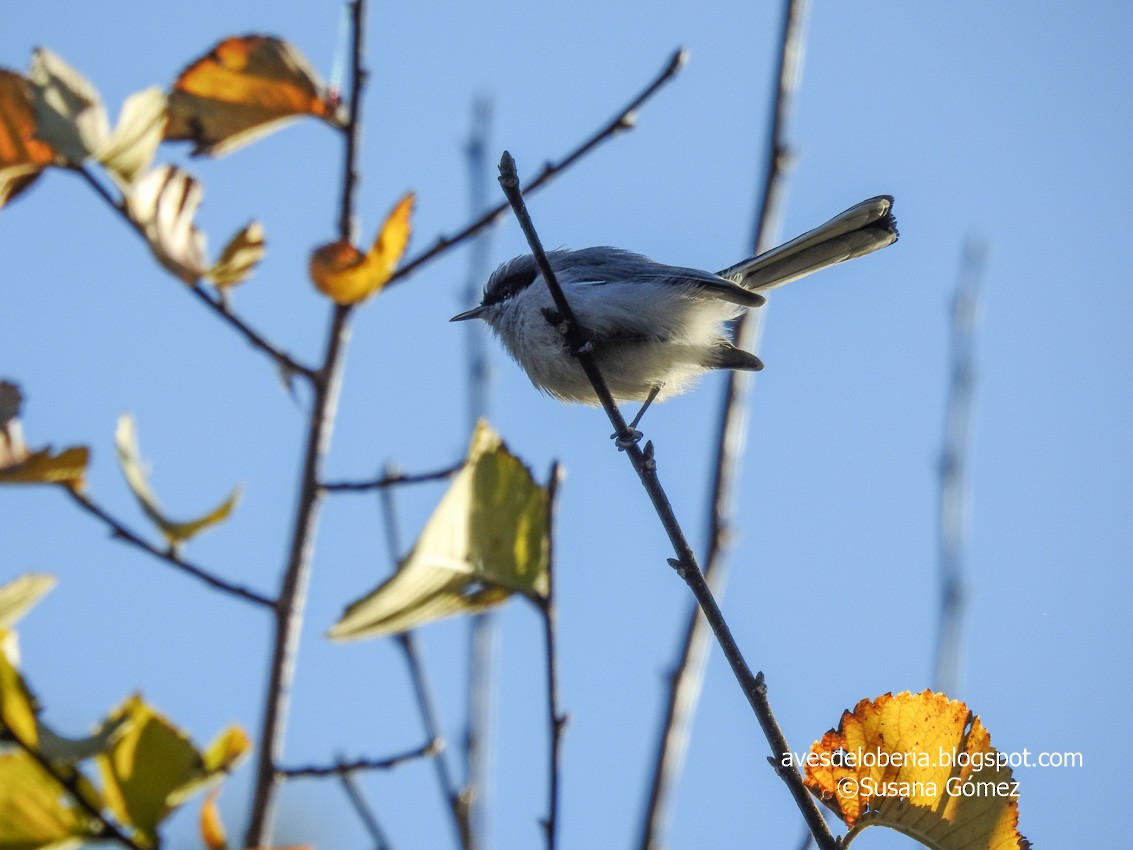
33,811
19,595
136,476
74,750
486,539
69,114
239,257
129,151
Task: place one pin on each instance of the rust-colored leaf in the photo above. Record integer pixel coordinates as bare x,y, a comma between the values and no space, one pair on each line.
22,156
243,88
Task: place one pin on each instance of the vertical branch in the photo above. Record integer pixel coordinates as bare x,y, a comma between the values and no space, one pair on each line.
424,696
953,528
645,465
687,676
482,630
293,588
556,720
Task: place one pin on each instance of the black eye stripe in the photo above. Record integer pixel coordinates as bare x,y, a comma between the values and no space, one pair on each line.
507,286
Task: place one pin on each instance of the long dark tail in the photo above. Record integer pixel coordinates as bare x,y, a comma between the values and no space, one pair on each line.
860,230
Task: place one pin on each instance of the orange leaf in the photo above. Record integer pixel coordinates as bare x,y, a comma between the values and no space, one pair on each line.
22,155
348,276
242,89
920,764
212,827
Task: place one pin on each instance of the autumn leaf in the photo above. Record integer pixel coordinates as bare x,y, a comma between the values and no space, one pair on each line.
487,538
152,767
164,204
70,116
244,88
22,156
175,532
348,276
920,764
33,814
18,465
239,257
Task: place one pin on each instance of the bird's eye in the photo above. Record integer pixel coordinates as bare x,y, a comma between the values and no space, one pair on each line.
505,287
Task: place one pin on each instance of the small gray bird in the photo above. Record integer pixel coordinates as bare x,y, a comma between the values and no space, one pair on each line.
656,328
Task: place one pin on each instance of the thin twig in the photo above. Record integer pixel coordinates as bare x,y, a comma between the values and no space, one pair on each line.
364,811
391,479
293,588
119,531
645,465
688,669
556,720
453,799
215,302
315,771
481,628
953,529
104,828
624,120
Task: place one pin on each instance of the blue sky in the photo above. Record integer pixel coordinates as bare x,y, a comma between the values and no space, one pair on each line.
1008,121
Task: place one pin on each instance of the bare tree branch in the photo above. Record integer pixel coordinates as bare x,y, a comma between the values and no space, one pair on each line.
645,465
287,364
482,629
556,720
624,120
364,812
293,589
391,478
316,771
453,798
120,531
953,529
687,674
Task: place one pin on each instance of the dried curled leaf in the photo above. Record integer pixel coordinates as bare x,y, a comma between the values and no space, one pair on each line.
487,538
19,595
132,467
22,156
164,203
69,114
345,274
920,764
244,88
129,151
20,466
239,257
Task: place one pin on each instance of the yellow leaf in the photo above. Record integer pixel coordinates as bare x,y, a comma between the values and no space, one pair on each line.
132,467
19,466
19,595
22,156
150,759
212,827
348,276
242,89
33,812
487,538
17,706
239,257
391,241
920,764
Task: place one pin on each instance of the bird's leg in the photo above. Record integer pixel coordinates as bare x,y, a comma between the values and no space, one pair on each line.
634,435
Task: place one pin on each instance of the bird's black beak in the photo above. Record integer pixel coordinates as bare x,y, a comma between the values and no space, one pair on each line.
474,313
